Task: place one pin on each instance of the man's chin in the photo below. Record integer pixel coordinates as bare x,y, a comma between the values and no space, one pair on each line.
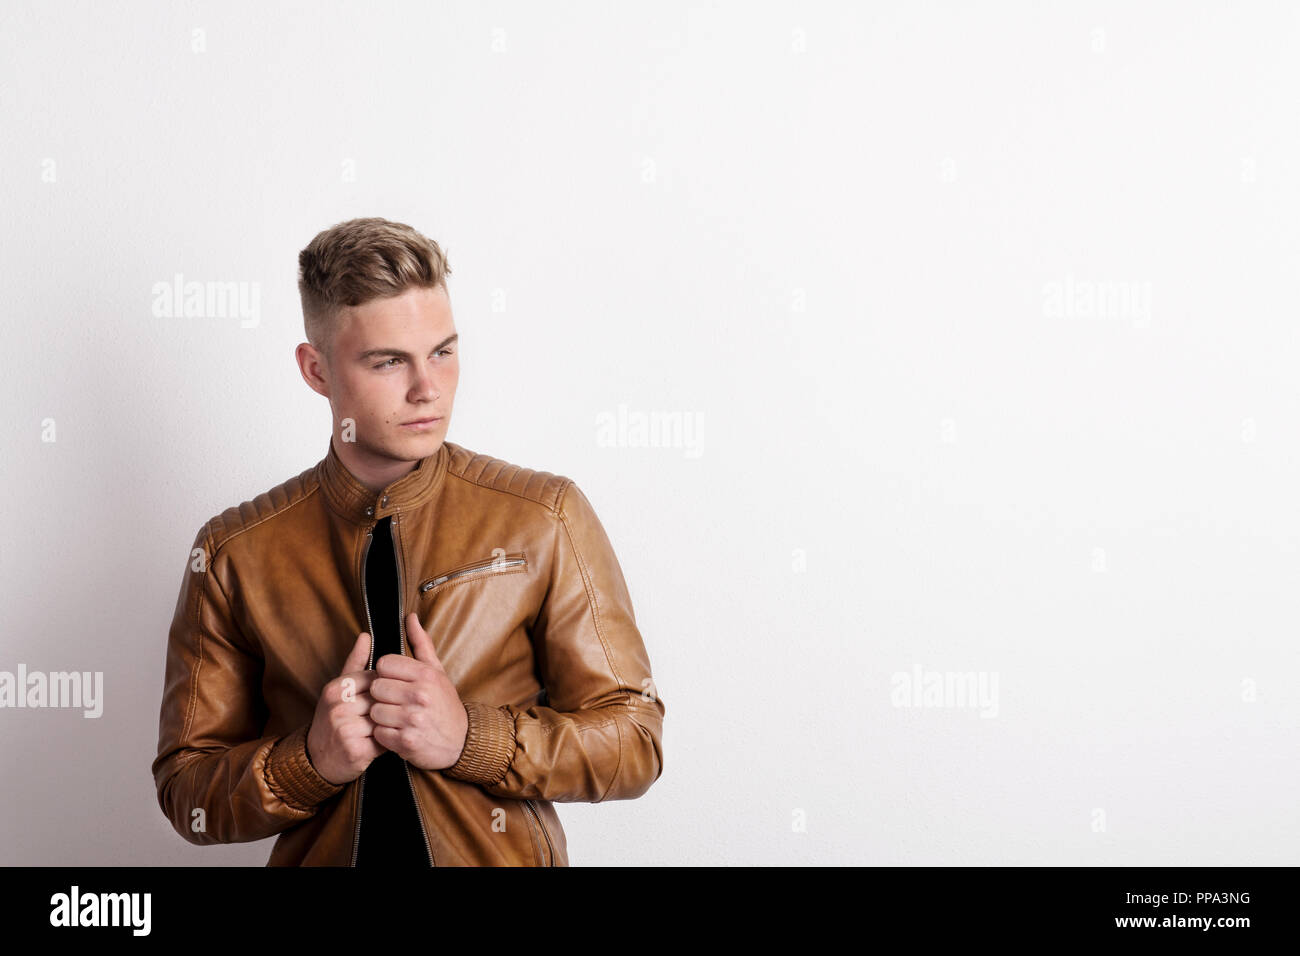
420,445
405,448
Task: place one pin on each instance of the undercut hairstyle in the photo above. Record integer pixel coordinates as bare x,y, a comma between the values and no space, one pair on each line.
356,261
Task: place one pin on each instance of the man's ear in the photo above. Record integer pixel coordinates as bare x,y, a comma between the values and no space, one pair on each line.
314,368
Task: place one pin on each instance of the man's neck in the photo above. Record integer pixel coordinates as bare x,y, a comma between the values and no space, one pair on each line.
375,472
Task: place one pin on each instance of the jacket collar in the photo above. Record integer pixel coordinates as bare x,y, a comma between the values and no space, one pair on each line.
354,501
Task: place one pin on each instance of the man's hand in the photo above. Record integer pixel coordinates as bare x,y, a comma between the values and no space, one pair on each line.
417,713
341,742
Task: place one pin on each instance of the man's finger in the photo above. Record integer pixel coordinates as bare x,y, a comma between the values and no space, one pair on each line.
359,702
349,687
390,690
399,667
358,656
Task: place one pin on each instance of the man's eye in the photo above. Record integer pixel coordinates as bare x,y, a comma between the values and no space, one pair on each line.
385,363
444,352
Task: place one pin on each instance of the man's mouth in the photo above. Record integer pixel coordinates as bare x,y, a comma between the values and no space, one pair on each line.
421,423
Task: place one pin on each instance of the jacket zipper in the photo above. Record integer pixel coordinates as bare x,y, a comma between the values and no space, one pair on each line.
370,665
401,627
491,564
550,850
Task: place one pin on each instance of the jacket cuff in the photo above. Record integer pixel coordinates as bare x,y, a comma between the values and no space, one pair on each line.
291,776
489,745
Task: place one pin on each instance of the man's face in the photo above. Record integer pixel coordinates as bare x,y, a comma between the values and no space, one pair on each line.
393,362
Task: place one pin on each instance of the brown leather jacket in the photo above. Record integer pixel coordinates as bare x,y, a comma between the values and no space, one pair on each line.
517,584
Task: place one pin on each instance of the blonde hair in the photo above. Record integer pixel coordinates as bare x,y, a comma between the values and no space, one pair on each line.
362,259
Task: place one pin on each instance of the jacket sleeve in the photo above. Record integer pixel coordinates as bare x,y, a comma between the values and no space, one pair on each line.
599,737
219,778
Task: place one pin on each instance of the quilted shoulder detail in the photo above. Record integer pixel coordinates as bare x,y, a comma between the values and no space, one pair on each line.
541,487
247,514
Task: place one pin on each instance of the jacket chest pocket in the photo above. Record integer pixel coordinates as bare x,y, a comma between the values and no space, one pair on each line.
498,564
477,616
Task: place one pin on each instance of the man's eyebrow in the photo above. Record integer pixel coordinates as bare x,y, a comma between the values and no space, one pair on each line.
398,353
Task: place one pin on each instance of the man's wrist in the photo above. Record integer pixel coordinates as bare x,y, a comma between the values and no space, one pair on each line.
489,745
293,777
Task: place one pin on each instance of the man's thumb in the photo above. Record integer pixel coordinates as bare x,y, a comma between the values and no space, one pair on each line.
359,655
421,642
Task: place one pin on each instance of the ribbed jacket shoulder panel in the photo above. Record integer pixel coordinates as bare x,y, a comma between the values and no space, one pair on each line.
248,514
485,471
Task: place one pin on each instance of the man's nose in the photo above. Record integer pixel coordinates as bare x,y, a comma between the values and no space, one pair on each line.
424,385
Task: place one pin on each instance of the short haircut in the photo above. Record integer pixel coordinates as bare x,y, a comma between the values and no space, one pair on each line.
359,260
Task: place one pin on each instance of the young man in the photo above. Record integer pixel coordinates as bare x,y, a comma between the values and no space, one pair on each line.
505,671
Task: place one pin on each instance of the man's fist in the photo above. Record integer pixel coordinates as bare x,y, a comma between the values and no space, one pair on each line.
417,713
341,742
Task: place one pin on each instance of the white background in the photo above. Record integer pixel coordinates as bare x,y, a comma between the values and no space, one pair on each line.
830,235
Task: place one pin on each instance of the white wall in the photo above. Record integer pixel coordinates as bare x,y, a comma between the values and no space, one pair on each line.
859,245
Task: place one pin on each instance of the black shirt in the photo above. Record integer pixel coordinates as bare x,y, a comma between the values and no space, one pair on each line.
390,823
